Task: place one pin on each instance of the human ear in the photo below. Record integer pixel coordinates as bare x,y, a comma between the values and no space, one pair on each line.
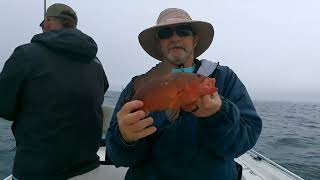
195,41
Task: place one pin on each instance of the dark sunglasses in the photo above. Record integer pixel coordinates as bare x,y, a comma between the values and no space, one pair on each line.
181,31
42,23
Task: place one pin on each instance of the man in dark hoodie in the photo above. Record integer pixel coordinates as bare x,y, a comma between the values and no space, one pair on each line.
52,89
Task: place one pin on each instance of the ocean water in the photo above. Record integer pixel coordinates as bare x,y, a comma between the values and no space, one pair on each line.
290,136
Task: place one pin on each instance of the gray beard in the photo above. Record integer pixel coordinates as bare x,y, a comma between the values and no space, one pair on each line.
179,62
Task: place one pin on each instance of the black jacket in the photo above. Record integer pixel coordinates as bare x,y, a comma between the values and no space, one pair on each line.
52,89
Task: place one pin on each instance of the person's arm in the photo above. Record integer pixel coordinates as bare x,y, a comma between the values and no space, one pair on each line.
235,128
119,152
11,79
106,83
105,79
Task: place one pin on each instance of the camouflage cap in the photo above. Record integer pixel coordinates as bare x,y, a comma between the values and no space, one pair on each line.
61,11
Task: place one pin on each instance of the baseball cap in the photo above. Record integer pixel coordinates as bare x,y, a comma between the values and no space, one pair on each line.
61,11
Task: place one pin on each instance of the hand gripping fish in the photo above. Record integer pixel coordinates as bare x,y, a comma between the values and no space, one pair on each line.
174,91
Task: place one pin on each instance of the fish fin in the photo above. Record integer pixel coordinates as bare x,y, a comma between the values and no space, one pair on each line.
172,114
175,104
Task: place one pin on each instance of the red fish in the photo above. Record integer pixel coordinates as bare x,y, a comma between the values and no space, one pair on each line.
174,91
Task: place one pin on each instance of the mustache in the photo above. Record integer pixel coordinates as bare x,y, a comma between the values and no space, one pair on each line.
176,46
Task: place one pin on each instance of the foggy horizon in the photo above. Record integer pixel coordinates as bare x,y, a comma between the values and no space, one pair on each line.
271,45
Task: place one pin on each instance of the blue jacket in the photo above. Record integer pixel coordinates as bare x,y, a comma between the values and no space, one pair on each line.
191,147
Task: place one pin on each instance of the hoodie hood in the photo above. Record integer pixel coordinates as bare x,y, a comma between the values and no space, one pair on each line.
71,42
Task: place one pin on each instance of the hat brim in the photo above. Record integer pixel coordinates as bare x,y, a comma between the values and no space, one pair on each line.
149,41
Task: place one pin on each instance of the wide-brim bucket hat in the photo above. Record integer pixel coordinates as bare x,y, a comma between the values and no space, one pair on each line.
172,17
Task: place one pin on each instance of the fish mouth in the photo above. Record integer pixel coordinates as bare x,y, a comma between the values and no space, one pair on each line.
208,84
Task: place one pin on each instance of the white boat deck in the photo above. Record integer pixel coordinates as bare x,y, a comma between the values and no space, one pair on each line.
255,166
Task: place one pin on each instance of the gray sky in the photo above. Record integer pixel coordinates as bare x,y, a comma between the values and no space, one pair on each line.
272,45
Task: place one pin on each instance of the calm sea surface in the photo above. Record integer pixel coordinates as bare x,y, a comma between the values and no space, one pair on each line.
290,136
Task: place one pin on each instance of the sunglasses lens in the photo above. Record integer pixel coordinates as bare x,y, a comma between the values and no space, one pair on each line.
184,32
42,24
181,31
165,33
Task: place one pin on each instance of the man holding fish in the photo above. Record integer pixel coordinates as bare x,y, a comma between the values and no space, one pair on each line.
174,121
